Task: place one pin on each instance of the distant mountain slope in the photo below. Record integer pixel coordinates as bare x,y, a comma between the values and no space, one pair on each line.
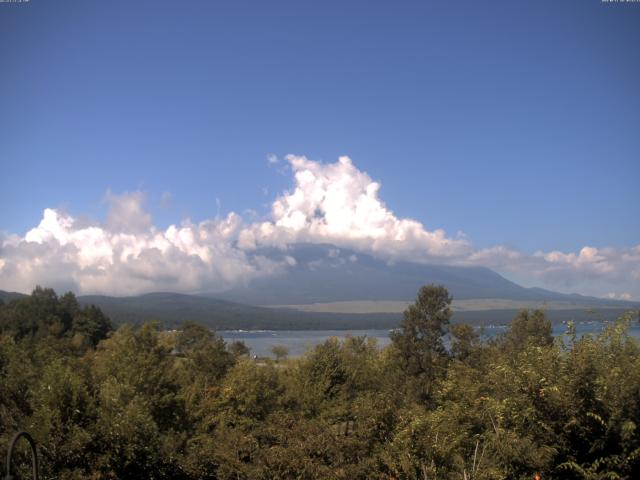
172,309
325,273
6,297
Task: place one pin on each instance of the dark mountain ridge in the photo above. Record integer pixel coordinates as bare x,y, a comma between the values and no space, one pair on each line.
325,273
6,297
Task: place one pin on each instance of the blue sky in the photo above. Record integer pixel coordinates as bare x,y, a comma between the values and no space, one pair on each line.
517,123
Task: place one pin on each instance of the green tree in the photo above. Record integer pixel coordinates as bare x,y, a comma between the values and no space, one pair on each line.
206,352
35,316
91,325
43,314
280,351
238,349
529,327
465,341
141,411
62,420
418,343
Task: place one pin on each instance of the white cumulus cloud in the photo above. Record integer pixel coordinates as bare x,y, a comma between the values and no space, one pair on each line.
117,259
328,203
337,203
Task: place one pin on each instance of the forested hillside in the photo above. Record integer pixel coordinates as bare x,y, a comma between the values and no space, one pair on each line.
138,402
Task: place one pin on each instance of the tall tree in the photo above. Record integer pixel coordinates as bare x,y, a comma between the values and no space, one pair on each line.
529,327
418,342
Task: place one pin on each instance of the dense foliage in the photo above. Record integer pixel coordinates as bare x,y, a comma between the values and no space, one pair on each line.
142,403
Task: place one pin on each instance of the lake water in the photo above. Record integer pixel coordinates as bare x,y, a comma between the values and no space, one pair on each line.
299,341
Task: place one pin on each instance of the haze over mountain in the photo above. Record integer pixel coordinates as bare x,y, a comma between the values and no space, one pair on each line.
323,273
327,287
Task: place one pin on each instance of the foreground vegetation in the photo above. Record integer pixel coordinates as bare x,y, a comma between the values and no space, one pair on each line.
141,403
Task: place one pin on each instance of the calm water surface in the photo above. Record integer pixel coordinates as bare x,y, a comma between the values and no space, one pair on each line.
299,341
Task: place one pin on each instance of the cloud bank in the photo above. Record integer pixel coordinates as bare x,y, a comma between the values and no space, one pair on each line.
328,203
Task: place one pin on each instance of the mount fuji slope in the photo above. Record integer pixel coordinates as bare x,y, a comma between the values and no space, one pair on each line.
326,274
